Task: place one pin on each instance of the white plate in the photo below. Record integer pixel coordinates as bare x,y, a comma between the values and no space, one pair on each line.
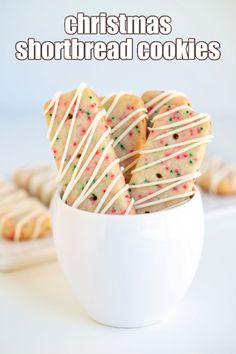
215,206
16,255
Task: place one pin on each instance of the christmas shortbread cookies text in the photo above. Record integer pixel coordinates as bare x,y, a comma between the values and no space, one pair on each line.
127,49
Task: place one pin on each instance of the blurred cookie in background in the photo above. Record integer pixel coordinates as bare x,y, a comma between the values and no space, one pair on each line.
22,217
218,176
39,181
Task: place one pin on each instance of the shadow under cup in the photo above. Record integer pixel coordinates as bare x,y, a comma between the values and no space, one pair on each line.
129,271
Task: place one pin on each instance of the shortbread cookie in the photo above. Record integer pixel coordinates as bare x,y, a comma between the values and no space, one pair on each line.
218,176
154,100
38,181
170,160
88,168
127,118
21,217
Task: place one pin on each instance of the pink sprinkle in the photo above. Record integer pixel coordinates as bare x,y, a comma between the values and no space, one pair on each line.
130,133
184,186
175,189
87,169
107,157
83,130
104,190
75,144
167,168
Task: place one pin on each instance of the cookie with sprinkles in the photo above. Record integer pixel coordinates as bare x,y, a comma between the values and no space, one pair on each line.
39,181
127,118
218,176
22,217
170,161
154,100
89,173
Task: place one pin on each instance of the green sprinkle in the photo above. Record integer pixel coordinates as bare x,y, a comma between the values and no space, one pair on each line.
201,128
88,113
90,97
178,174
129,189
136,126
94,180
57,138
190,161
82,187
170,119
74,167
166,144
171,171
122,146
190,154
146,180
113,118
187,112
106,175
50,114
102,148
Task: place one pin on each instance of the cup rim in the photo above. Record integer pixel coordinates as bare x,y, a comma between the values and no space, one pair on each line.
165,212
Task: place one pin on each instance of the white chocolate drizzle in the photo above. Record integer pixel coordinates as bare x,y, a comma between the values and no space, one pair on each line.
130,206
106,194
83,146
124,121
114,199
196,120
162,99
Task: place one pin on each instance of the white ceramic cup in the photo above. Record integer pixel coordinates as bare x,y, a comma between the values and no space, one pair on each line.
129,271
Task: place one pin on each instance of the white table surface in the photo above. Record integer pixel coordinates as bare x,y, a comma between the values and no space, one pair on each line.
39,314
